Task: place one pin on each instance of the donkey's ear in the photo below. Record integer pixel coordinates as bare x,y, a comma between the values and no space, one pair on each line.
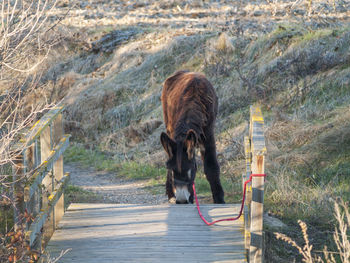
168,144
191,143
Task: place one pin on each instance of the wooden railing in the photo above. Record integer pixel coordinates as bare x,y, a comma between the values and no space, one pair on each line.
39,179
255,151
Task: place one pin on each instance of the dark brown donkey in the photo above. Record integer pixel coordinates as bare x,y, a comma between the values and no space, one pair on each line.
190,107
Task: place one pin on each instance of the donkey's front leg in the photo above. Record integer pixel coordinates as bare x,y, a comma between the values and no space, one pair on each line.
169,187
212,172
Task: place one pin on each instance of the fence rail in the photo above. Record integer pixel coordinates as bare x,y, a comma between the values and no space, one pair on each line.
39,179
255,150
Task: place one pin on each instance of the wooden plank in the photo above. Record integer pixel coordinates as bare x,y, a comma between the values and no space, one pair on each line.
248,194
44,228
137,233
258,149
18,171
35,229
31,203
45,150
57,193
257,211
41,125
36,196
150,256
256,131
58,167
42,171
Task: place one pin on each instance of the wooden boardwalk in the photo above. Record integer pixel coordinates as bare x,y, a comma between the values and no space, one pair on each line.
139,233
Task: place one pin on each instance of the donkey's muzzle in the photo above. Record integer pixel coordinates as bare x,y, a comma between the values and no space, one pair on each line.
182,194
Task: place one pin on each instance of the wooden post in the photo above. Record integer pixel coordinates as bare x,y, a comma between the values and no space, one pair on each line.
18,170
37,196
258,150
248,194
29,166
45,148
58,168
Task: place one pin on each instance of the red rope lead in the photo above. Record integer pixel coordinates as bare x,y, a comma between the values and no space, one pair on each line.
242,205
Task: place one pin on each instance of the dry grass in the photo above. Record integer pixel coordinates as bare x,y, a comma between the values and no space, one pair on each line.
300,132
341,239
129,95
251,51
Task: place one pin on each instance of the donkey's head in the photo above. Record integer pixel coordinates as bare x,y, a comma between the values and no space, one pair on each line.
181,164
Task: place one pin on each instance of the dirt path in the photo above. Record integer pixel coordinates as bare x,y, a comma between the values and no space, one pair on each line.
111,188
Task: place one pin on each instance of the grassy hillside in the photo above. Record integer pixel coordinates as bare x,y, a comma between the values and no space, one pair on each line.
290,57
299,75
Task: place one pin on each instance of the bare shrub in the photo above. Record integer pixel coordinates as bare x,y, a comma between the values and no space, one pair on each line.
23,42
24,45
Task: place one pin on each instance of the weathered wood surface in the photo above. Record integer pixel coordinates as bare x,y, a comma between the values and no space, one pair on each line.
137,233
40,163
58,167
42,171
248,197
41,125
35,228
258,150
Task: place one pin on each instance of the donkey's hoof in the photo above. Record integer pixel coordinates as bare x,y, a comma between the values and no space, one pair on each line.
172,200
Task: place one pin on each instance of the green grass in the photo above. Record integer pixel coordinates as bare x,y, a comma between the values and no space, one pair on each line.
283,35
135,170
310,35
202,185
322,99
90,158
100,161
156,186
292,33
304,192
75,194
232,187
155,175
194,64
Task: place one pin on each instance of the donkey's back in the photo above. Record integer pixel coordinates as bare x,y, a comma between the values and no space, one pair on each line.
188,96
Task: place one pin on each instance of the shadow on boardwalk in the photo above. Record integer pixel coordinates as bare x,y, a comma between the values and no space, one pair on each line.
137,233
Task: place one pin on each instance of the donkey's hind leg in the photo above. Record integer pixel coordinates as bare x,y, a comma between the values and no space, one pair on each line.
212,170
169,188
